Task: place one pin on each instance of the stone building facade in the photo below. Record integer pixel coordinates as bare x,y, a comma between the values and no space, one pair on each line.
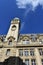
28,47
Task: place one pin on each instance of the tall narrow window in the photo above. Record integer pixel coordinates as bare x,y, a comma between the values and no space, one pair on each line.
41,51
10,42
31,52
27,61
34,38
26,52
33,62
21,52
8,52
42,61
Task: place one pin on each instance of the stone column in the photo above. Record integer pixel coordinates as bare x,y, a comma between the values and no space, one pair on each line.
30,61
38,59
17,52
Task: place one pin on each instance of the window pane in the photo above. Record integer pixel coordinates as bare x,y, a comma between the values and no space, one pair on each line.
33,62
41,51
26,52
10,42
42,61
8,52
31,52
27,61
34,38
20,52
26,42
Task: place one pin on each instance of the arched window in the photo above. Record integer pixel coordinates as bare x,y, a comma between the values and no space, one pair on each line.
14,27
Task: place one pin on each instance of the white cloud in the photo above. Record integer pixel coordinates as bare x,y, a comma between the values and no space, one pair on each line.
23,4
28,5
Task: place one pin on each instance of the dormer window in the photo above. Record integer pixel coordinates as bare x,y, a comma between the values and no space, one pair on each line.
26,42
33,38
10,42
41,40
14,27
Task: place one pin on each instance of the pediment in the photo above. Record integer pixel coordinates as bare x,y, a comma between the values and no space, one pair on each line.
11,37
25,37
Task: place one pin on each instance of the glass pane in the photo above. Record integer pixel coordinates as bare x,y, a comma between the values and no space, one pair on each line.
41,51
32,53
10,42
26,53
8,52
34,38
27,61
20,52
25,42
42,61
33,62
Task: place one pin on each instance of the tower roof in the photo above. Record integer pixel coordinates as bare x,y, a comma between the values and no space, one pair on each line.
15,20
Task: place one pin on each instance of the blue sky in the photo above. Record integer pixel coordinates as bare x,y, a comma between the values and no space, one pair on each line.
30,13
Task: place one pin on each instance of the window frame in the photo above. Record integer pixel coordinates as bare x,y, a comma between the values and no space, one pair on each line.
41,61
32,52
40,51
8,52
27,62
26,52
10,42
20,52
33,62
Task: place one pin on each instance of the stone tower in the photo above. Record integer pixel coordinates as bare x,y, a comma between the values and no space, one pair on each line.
14,29
28,47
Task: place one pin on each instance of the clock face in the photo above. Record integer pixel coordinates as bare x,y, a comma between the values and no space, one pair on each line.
14,27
